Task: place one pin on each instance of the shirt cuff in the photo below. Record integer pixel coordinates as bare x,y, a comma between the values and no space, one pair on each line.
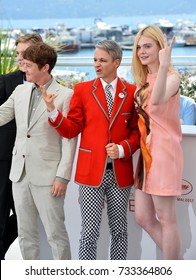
62,180
53,115
121,151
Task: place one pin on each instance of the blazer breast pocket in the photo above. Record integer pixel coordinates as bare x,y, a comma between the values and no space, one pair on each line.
126,119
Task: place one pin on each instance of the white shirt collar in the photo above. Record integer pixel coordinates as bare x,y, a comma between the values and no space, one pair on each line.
113,83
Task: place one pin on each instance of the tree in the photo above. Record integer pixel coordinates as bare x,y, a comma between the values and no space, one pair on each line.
8,53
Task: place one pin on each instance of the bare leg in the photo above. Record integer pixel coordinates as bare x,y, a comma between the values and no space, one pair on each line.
166,211
164,229
145,216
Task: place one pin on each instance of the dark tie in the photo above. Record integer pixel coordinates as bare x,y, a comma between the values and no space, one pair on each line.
109,98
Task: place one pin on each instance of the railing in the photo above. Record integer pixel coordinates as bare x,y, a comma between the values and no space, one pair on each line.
126,61
85,65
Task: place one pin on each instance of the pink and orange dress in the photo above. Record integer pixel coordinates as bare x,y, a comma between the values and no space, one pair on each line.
160,165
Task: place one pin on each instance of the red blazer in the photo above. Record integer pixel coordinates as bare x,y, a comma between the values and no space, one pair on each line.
88,115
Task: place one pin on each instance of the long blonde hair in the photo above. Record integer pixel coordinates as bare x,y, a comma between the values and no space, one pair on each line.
140,71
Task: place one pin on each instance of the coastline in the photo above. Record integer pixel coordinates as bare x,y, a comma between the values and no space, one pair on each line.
131,21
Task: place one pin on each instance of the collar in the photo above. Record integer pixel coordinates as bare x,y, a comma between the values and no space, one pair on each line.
47,84
113,83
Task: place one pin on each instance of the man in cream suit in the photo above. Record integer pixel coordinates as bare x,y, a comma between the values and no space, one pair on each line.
8,82
42,160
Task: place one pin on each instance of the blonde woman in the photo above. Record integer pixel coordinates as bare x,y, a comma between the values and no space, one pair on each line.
159,170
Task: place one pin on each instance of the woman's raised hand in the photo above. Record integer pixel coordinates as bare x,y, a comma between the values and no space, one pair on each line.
165,53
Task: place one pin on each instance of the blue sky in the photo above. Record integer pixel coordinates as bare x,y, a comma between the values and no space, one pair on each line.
92,8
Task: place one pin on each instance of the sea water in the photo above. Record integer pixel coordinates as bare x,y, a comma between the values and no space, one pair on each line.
189,53
131,21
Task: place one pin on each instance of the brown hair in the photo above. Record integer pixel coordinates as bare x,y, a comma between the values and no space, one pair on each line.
30,38
41,54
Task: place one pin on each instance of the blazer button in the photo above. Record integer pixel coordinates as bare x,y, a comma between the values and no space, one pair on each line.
23,156
28,136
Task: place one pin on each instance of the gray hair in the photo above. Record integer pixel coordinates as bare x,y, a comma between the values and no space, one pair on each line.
111,47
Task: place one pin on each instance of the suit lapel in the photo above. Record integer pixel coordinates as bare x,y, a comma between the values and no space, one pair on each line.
119,100
99,95
53,88
26,97
120,96
41,108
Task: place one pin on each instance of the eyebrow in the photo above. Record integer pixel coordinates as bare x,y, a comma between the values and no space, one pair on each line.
145,44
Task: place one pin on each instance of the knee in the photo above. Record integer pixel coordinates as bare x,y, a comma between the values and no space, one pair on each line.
140,220
146,222
91,233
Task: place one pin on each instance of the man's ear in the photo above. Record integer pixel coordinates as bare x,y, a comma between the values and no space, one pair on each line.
117,62
45,68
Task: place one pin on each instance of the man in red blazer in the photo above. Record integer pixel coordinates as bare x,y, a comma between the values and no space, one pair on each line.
104,164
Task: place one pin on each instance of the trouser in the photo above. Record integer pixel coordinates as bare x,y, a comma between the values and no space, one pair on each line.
91,204
8,222
31,201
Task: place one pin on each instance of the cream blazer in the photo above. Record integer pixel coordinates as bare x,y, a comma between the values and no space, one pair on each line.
38,147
